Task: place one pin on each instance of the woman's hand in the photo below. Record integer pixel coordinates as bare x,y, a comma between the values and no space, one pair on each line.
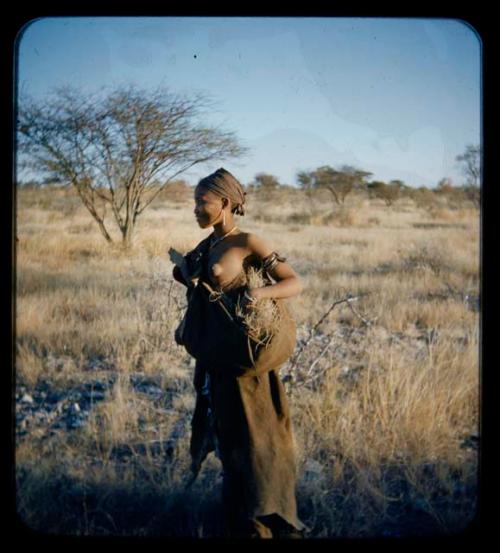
251,296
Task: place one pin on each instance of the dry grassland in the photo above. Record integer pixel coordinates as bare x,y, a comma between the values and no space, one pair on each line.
384,397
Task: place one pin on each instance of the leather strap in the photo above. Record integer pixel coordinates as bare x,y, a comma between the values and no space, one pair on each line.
217,296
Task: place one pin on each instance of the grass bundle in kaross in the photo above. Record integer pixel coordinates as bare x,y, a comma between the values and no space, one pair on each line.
261,319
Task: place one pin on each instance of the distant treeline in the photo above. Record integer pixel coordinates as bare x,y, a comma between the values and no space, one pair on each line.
181,190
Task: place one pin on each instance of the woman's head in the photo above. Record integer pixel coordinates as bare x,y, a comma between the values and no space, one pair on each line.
219,191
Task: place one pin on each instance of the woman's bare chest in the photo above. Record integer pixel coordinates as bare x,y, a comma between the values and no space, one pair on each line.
225,264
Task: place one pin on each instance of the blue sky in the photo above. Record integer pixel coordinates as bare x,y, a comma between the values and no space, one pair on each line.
397,97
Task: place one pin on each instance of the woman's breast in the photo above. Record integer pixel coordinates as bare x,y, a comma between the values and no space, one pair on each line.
227,271
225,278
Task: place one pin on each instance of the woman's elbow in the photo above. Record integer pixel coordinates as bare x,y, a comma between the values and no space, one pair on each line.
299,286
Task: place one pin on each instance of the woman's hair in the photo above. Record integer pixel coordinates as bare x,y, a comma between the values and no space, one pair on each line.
224,184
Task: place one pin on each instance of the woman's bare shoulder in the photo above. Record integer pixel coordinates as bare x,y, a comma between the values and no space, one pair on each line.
275,264
257,245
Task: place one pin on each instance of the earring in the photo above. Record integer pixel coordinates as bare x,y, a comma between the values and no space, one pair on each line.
224,218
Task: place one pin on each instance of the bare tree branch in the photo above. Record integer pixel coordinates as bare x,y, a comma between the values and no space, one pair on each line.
349,299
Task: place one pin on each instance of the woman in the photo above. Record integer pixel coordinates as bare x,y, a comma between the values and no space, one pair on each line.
241,412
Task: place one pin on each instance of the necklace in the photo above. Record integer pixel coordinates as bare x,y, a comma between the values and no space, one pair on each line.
213,243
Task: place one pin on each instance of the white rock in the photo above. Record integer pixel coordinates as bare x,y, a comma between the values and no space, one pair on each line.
27,399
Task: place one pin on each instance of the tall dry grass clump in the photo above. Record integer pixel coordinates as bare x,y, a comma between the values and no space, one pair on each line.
263,319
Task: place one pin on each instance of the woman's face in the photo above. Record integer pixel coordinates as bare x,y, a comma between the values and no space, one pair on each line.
207,207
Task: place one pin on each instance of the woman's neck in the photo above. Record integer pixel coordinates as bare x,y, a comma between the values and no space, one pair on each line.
221,230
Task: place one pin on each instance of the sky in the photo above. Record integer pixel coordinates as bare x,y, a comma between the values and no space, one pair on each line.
400,98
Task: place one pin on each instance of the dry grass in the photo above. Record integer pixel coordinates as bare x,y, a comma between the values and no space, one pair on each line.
261,320
380,434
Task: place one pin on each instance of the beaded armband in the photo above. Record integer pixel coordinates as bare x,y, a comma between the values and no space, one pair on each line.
269,262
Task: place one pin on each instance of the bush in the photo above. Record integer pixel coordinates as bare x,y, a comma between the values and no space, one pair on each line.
177,191
387,192
341,218
424,198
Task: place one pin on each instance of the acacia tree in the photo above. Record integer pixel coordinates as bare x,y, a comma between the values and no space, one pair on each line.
265,181
304,178
471,161
119,149
340,182
389,193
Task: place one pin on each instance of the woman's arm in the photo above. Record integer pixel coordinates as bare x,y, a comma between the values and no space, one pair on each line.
287,284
